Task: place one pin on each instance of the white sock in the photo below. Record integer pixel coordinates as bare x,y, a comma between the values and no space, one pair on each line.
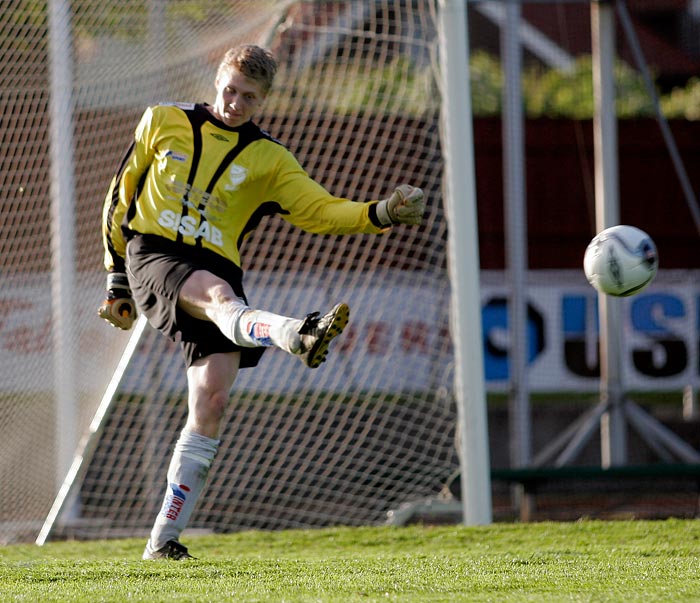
257,328
187,475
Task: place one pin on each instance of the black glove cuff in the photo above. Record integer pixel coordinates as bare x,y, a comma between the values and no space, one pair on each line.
372,215
118,280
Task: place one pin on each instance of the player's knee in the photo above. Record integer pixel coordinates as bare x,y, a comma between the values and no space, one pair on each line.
204,287
215,405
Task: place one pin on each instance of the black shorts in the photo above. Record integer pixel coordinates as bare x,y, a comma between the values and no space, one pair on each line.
157,269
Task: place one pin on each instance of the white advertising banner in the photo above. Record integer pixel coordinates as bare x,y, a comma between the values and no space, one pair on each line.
660,338
398,337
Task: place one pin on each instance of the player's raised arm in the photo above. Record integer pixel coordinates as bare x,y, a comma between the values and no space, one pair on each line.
309,206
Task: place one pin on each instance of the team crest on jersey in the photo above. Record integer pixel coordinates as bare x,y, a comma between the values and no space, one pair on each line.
237,175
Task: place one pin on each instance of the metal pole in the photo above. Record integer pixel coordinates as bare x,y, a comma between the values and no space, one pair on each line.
62,234
157,51
84,453
460,198
690,196
516,237
613,428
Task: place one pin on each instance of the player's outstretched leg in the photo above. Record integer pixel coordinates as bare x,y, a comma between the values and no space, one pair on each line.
317,332
307,339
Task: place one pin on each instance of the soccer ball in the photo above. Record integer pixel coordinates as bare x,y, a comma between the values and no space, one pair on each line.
621,261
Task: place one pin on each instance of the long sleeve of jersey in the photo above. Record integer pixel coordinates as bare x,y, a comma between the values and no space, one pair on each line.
123,192
191,179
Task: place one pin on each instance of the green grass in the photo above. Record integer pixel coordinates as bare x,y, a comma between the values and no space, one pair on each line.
587,561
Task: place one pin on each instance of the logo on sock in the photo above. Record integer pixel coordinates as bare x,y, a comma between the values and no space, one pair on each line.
260,332
175,501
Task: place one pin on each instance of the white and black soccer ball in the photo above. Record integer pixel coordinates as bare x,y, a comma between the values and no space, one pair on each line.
621,261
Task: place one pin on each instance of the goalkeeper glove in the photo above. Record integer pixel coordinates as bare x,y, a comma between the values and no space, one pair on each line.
119,309
405,206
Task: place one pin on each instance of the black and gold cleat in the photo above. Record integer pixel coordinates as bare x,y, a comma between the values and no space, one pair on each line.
317,332
170,550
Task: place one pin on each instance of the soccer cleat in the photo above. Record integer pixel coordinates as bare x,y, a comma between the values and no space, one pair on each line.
171,550
317,332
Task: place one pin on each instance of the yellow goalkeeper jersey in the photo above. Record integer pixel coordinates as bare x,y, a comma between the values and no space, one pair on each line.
190,178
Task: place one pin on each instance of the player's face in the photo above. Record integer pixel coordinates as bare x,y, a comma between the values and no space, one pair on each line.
237,98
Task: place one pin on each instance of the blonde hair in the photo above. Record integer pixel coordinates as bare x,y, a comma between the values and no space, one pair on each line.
253,62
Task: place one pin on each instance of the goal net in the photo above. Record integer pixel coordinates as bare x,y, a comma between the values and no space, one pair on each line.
357,102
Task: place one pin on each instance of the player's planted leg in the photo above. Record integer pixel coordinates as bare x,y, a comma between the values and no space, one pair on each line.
187,475
172,549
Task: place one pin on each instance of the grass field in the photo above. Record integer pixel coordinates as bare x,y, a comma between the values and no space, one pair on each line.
582,561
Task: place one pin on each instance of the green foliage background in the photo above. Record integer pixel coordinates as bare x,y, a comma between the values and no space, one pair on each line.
547,93
559,94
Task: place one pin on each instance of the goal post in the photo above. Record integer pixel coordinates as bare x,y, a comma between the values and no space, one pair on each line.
63,232
463,246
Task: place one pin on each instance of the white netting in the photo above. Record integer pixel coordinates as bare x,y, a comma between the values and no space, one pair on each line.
342,444
356,101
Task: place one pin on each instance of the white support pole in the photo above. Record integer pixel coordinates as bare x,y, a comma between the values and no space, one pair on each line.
613,426
463,247
83,453
516,237
62,234
157,49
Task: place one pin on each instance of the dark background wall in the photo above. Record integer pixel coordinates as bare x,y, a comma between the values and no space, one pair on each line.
560,190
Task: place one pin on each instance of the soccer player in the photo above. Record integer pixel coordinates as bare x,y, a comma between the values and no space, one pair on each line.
195,181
